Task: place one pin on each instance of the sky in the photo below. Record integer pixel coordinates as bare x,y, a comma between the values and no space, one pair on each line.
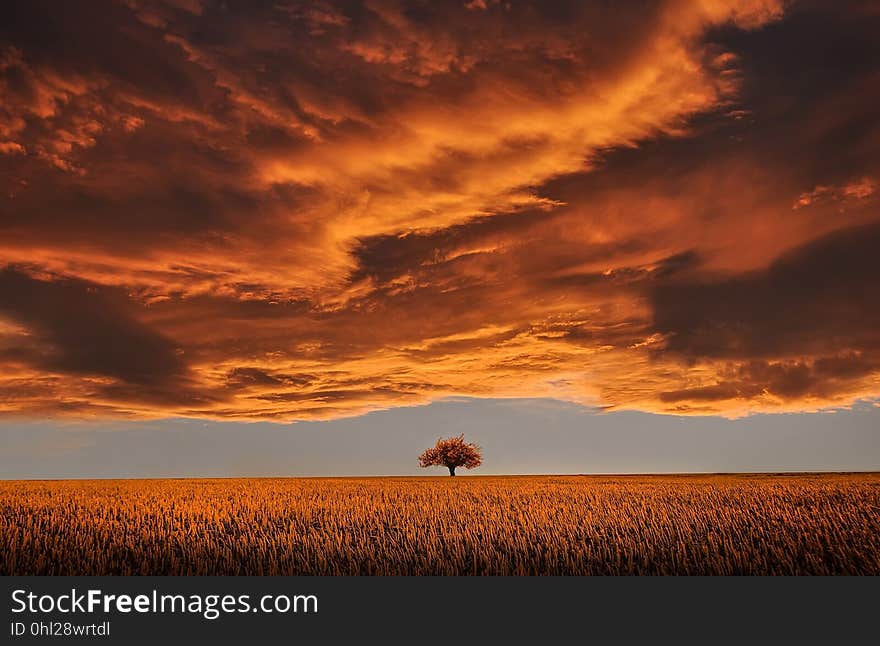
268,216
517,436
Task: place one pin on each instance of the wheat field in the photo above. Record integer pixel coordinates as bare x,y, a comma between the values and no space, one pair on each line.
732,524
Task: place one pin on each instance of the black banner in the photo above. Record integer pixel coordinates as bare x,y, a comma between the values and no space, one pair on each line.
226,610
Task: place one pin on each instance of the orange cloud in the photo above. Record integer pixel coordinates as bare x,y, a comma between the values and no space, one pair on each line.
859,189
306,211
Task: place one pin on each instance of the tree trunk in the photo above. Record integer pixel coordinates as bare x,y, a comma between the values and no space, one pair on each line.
451,471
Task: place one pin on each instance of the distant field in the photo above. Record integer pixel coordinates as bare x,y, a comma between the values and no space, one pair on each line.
740,524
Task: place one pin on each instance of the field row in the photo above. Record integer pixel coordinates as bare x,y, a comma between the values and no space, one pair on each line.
467,525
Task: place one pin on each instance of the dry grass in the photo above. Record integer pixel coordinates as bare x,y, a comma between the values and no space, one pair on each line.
828,524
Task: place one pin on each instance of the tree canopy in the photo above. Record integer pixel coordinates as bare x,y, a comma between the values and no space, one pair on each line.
451,453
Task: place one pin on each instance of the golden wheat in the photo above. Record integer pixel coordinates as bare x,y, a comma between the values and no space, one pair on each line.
827,524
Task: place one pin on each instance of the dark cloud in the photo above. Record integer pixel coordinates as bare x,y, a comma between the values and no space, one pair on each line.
788,380
821,298
87,329
245,377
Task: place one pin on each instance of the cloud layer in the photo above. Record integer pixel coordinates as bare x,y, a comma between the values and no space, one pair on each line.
306,210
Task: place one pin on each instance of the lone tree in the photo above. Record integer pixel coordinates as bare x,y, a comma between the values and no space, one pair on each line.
451,453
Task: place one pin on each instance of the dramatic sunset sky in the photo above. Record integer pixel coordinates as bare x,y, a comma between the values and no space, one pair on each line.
652,222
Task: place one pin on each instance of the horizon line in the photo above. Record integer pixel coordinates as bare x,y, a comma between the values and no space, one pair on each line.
445,477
